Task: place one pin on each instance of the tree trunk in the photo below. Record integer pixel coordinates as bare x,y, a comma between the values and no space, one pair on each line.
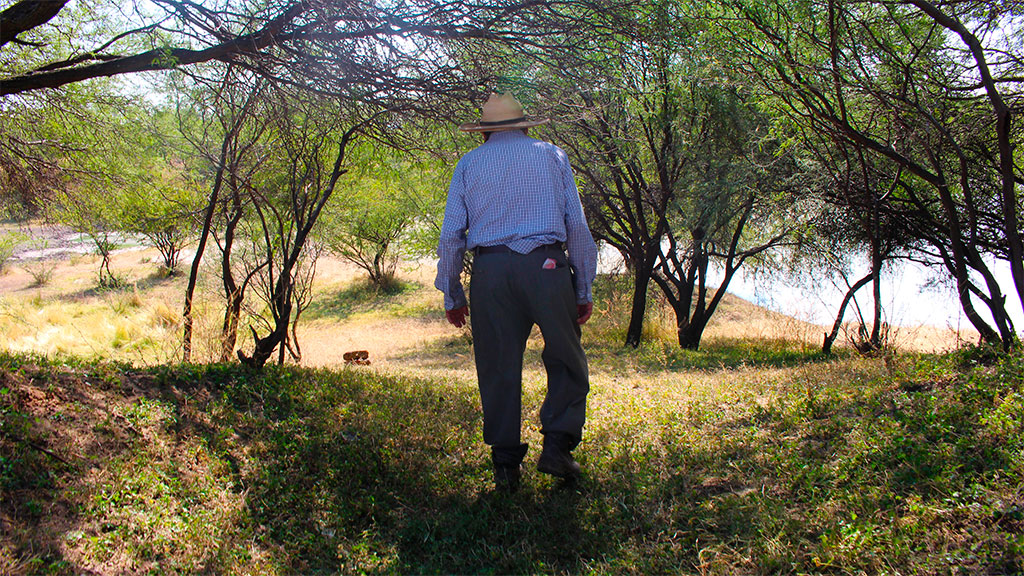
107,280
235,295
193,275
229,329
876,292
265,347
988,335
691,328
830,337
692,331
641,281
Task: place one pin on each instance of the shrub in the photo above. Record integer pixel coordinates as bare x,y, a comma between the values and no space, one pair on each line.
8,242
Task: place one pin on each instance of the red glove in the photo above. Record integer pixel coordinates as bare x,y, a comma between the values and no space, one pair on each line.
457,316
583,312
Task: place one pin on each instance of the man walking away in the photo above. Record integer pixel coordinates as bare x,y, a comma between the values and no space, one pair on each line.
513,202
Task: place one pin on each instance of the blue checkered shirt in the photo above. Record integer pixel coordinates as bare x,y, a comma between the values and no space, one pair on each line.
519,192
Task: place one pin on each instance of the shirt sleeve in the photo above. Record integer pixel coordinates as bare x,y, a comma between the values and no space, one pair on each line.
579,242
452,244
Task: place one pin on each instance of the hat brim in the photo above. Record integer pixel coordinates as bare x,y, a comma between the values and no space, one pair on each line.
477,127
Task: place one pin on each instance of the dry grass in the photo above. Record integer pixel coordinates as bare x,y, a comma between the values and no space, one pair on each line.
141,323
387,331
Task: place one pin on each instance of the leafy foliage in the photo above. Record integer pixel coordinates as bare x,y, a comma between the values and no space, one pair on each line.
384,206
913,97
8,243
163,213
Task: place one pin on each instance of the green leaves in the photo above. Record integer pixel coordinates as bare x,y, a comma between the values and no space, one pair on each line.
387,207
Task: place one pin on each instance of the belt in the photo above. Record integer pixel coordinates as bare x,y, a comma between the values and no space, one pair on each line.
502,249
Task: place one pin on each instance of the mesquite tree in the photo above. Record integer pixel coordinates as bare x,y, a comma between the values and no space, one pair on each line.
623,142
741,197
677,169
223,121
926,90
288,202
384,199
861,217
227,134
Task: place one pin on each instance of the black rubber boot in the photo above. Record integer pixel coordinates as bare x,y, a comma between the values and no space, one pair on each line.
555,458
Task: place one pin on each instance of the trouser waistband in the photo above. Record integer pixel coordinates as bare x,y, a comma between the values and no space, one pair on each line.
502,249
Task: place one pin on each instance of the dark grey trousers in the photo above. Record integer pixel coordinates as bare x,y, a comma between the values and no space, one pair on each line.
509,293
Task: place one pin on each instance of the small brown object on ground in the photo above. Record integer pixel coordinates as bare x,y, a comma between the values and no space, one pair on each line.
360,357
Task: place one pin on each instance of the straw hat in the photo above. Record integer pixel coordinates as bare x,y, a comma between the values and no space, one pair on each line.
502,112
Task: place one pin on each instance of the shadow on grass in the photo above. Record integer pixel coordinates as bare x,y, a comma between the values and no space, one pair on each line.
121,286
360,473
651,357
160,277
453,351
713,355
356,472
361,297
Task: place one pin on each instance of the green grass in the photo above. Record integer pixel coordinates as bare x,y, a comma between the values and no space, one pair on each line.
843,467
362,297
715,354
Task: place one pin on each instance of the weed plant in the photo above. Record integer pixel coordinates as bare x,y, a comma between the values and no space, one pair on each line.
9,241
41,272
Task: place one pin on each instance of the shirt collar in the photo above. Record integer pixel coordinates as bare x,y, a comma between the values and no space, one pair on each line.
506,135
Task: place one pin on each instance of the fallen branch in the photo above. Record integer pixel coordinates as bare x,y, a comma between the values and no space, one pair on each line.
48,453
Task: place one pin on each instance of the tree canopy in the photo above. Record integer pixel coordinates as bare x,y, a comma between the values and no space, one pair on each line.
703,135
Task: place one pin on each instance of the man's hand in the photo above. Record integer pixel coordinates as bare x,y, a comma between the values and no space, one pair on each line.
583,312
457,316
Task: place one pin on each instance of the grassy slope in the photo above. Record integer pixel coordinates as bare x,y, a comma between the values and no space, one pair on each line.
850,466
754,455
